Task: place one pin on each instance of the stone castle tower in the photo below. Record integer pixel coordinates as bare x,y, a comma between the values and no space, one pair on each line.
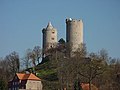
49,37
74,33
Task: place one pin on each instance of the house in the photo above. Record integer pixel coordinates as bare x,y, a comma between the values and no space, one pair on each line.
25,82
85,86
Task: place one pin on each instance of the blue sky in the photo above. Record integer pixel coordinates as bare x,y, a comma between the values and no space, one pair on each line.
22,21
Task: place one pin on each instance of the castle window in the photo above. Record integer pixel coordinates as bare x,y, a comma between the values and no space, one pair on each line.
52,38
53,32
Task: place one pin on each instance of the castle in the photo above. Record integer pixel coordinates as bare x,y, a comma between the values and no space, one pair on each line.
74,34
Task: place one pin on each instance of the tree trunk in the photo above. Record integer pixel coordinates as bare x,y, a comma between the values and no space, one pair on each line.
89,85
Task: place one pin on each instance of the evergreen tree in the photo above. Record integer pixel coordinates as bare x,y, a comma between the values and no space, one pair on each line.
2,84
77,85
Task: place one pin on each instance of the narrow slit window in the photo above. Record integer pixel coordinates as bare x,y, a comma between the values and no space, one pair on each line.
53,32
53,38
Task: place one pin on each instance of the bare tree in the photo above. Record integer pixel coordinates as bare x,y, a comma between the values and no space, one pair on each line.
90,69
33,58
4,69
103,54
35,55
26,59
115,75
13,62
38,53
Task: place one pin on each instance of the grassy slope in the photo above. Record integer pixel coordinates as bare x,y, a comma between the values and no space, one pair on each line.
48,74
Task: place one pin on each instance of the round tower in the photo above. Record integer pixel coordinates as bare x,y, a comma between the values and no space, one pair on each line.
74,33
49,37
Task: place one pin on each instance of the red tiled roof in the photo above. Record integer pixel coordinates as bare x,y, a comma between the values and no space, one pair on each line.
31,76
86,86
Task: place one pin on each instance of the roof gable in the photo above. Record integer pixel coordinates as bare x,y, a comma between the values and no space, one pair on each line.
31,76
